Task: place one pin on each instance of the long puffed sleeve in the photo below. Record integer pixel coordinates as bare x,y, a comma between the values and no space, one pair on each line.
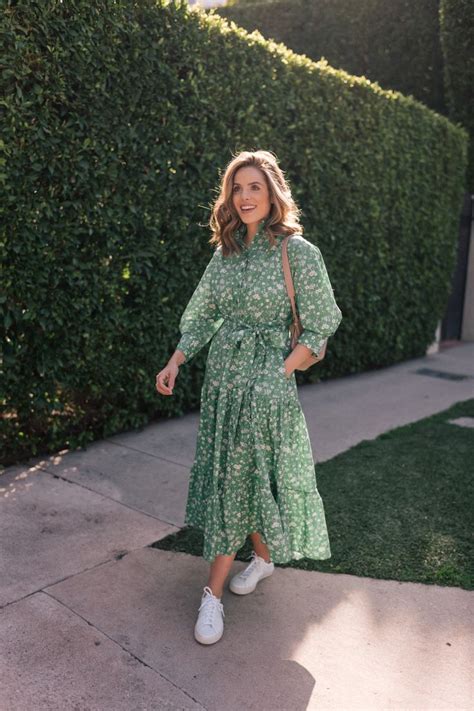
200,319
319,313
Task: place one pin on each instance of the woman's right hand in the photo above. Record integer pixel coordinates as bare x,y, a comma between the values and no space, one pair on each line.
166,378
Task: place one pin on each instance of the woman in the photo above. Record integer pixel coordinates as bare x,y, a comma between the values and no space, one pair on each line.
253,472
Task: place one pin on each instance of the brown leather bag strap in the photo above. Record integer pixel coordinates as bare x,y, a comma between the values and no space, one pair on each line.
287,272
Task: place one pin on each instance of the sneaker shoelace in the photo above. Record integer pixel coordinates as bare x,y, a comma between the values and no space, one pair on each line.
210,604
255,562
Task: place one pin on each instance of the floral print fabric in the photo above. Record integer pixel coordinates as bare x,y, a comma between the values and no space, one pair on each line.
254,469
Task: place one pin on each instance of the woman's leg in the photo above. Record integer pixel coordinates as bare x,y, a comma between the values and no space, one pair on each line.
221,565
220,568
259,546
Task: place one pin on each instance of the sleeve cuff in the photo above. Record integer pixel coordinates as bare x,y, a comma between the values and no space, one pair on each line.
312,340
186,345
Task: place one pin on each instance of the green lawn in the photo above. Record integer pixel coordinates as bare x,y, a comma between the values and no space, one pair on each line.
398,507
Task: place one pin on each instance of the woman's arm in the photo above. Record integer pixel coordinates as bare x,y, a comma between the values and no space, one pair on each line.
297,356
178,358
317,308
201,318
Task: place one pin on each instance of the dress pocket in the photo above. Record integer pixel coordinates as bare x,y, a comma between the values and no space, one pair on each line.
283,357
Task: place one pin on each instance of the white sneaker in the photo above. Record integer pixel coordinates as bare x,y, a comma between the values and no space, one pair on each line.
209,626
246,581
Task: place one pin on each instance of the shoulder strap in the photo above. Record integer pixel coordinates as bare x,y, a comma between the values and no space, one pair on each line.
287,272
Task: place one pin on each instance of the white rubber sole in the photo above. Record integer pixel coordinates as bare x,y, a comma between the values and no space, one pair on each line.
246,591
208,640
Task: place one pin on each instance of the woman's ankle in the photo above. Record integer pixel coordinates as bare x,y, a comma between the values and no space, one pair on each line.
260,547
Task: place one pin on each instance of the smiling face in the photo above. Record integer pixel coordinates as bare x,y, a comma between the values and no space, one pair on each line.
250,196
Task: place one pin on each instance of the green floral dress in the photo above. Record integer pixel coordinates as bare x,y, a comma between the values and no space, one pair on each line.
254,469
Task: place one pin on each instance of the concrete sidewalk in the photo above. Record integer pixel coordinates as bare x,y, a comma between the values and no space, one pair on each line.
93,619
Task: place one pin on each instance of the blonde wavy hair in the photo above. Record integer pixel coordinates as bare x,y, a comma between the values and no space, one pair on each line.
284,214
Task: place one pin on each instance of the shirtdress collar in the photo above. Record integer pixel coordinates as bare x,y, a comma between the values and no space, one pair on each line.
260,240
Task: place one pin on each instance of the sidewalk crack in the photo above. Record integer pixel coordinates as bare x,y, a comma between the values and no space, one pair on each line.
126,650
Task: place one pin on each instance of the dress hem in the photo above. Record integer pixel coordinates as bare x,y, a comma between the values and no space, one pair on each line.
297,555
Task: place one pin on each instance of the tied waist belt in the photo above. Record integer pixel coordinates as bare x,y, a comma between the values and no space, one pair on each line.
273,335
249,346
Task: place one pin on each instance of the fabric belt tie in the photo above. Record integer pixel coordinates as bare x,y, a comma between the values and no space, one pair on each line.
250,343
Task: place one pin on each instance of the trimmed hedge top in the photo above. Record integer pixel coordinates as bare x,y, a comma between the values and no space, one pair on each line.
396,43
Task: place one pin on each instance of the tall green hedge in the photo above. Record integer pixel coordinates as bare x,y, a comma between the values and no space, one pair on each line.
395,43
457,37
119,116
423,49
